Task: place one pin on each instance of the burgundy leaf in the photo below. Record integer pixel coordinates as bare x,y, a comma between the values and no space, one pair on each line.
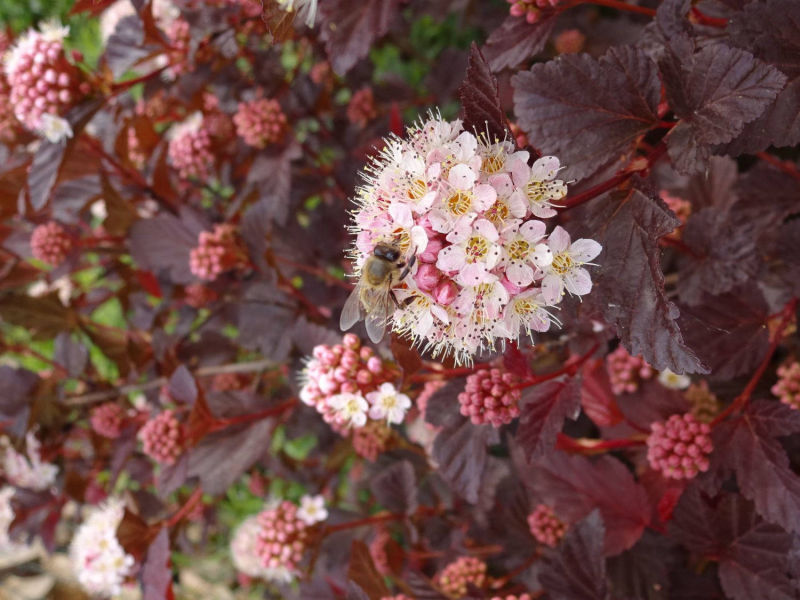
182,386
643,571
461,453
574,486
271,177
543,410
71,354
163,244
714,91
480,99
156,574
516,40
747,446
588,112
350,27
442,407
42,317
395,487
124,47
362,571
597,399
354,592
771,31
17,396
264,320
630,284
728,332
577,571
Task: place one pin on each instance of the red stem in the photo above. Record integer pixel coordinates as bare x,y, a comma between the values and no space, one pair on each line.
188,506
325,276
617,179
784,166
590,446
269,412
568,369
122,86
623,6
383,518
702,19
740,400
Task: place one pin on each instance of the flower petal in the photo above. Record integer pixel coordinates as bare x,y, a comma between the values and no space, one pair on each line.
558,240
584,250
545,168
462,177
552,289
578,281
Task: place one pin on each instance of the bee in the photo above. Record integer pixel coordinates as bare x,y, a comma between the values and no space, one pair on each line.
373,298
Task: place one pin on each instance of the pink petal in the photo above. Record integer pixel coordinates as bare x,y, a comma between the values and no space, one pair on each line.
502,184
584,250
451,258
486,229
558,240
461,177
578,281
519,274
533,231
473,273
545,168
485,196
552,288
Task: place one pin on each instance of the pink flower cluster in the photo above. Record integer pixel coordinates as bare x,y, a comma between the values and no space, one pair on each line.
453,579
260,122
226,382
371,439
530,9
217,251
679,447
50,243
512,597
361,109
281,541
346,368
469,209
107,419
489,397
787,387
42,80
189,148
396,597
162,438
626,371
545,526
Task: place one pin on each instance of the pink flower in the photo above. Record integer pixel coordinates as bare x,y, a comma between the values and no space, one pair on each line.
537,185
566,271
387,403
473,252
521,251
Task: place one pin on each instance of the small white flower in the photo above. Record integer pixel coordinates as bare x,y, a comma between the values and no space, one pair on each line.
6,518
673,381
54,31
351,409
99,210
536,184
312,509
565,269
387,403
522,249
54,128
527,311
474,252
27,471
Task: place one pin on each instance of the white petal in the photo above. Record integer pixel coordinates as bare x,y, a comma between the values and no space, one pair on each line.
558,240
461,177
419,239
533,230
578,281
521,275
451,258
542,256
552,288
545,168
584,250
473,274
485,196
401,214
486,229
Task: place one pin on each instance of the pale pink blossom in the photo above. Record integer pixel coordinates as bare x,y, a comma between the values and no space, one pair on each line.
566,270
387,403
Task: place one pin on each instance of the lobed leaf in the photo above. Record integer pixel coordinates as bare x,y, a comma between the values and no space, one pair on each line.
461,453
480,99
543,410
516,40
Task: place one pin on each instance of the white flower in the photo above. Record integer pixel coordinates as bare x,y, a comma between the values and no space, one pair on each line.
99,210
27,472
350,409
243,548
473,252
191,124
565,269
462,202
527,311
305,8
6,518
312,509
100,563
537,186
418,314
673,381
522,250
54,128
387,403
54,31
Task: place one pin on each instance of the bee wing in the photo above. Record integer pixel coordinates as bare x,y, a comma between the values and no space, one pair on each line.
376,319
352,311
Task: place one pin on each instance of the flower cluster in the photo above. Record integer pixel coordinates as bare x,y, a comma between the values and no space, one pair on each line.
545,526
27,470
99,561
787,387
704,404
50,243
455,577
135,154
679,447
107,419
490,397
189,148
530,9
371,439
626,371
228,382
217,251
281,541
260,122
347,381
361,109
469,210
44,84
243,548
162,438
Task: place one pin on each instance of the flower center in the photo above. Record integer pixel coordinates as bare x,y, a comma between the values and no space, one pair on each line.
562,263
351,407
477,247
524,307
459,203
494,162
389,402
519,249
417,188
497,213
536,192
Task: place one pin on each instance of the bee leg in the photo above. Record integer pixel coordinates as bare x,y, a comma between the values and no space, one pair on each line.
394,298
407,267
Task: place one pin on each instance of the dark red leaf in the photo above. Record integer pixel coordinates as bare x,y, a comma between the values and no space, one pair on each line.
264,320
162,245
577,571
461,453
643,571
350,27
480,99
182,387
16,399
747,446
589,112
363,572
714,91
42,317
630,284
156,574
597,400
71,354
543,410
516,40
395,488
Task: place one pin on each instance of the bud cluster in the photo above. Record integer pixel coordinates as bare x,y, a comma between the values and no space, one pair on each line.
189,148
455,577
626,371
50,243
371,439
361,109
260,122
545,526
490,397
281,541
679,447
788,386
162,438
107,419
530,9
217,251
